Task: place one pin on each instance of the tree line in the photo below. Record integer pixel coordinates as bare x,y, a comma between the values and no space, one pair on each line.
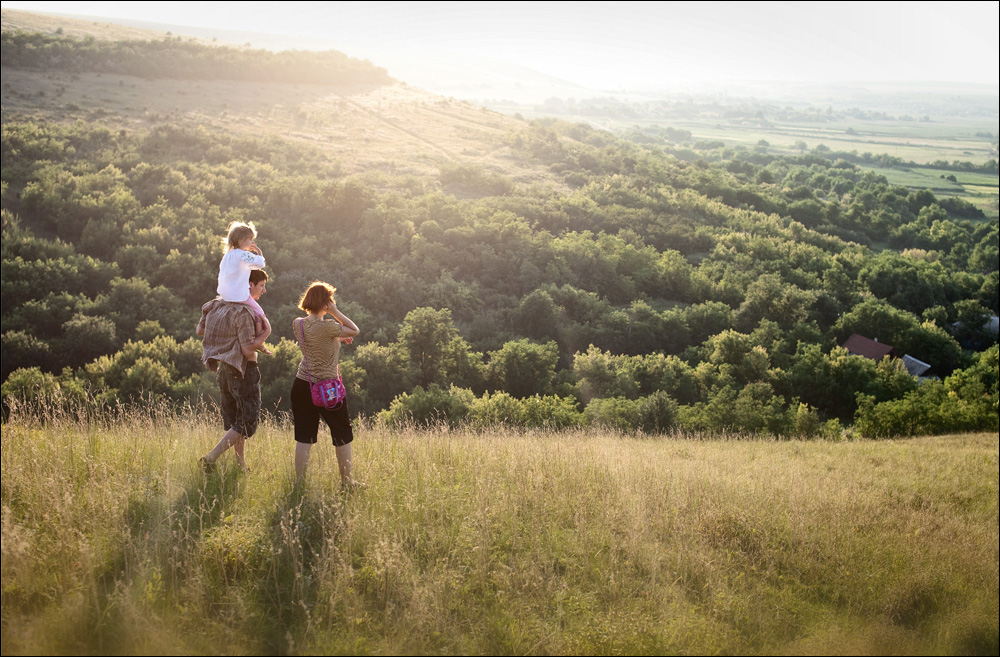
175,58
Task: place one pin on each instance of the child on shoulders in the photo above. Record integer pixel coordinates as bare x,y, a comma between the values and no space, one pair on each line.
241,255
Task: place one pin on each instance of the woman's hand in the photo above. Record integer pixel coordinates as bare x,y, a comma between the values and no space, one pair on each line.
346,340
345,322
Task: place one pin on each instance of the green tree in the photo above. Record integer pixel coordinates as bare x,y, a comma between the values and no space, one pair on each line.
522,368
22,350
770,298
708,319
985,256
539,316
435,351
966,401
147,378
833,381
385,375
905,283
130,301
86,338
972,324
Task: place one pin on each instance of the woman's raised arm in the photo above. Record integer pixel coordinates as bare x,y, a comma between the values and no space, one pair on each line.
350,329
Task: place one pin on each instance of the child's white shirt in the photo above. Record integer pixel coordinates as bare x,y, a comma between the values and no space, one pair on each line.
234,274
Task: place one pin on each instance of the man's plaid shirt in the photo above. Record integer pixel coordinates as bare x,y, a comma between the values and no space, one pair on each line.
227,326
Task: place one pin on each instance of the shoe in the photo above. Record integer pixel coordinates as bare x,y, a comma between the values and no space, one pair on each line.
353,487
206,467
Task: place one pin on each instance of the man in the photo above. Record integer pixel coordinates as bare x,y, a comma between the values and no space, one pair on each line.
229,347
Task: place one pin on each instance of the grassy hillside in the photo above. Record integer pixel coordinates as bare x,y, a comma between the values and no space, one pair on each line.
496,542
391,128
538,274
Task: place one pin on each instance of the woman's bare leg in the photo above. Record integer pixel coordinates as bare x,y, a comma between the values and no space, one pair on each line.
301,460
344,461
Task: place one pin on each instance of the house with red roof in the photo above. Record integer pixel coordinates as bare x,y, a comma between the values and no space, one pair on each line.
859,345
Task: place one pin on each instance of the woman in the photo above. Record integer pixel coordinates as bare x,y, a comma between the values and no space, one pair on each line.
320,340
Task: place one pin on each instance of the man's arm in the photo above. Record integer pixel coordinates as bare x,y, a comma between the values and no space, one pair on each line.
250,350
249,342
200,329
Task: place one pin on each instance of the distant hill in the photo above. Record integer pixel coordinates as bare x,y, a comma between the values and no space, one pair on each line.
366,120
13,19
469,78
176,58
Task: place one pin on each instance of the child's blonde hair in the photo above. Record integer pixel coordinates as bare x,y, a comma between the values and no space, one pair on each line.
238,231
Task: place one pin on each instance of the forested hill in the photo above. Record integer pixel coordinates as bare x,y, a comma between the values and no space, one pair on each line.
540,273
176,58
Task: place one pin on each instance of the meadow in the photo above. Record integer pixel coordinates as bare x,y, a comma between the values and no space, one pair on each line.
979,189
949,140
499,541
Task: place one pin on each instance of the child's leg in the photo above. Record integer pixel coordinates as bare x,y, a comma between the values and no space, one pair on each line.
255,307
265,330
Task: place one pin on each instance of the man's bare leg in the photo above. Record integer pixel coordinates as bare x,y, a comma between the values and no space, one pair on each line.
238,447
230,439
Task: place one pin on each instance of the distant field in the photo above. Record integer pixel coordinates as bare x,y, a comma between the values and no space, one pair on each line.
495,543
947,138
910,141
977,188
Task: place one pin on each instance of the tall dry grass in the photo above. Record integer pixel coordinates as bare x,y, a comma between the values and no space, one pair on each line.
494,542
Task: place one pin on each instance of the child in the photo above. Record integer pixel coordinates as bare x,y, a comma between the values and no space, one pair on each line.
241,256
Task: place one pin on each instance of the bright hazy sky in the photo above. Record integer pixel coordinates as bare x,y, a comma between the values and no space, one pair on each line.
620,44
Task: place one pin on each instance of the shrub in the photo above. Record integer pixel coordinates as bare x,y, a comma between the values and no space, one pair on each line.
656,413
542,412
431,406
966,401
